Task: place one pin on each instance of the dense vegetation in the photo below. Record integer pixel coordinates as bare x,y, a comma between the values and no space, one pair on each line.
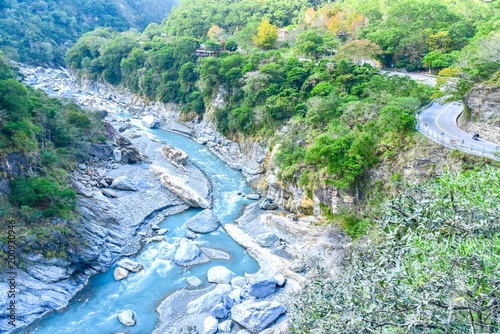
46,137
39,32
305,76
431,265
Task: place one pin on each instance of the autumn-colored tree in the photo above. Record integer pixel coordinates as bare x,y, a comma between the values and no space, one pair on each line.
309,16
346,23
266,35
216,33
360,52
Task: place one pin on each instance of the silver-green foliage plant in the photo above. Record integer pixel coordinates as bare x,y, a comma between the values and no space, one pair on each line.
431,266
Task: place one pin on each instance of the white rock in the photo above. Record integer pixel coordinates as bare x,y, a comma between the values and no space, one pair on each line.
253,196
120,273
225,326
130,265
180,187
162,231
256,316
151,121
220,275
127,318
280,280
186,252
239,281
194,281
210,325
235,295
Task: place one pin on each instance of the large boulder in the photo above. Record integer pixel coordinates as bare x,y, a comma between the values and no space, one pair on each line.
262,288
180,187
120,273
210,325
127,318
151,122
123,183
256,316
207,301
204,222
186,252
174,155
220,275
130,265
266,239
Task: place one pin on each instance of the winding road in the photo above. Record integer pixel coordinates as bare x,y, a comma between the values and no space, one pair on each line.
438,122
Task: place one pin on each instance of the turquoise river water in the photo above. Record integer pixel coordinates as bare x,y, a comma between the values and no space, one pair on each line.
95,308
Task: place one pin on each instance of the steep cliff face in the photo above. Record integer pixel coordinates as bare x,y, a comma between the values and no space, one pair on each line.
15,164
483,102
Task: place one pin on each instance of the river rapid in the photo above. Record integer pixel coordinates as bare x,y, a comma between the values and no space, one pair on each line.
95,308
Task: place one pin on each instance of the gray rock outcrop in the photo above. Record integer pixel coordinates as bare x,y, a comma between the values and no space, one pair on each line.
256,316
204,222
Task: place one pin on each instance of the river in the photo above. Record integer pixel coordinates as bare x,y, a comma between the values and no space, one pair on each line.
94,309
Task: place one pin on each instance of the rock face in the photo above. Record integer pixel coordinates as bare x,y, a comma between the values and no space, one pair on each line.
220,275
151,122
484,103
181,188
256,316
175,156
266,239
186,252
127,318
123,183
204,222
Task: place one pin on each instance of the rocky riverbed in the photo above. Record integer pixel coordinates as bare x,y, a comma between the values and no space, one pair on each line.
161,181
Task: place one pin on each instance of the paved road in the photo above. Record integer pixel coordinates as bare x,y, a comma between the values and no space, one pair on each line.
439,122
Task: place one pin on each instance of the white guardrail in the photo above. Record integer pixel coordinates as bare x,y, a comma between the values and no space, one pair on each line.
459,144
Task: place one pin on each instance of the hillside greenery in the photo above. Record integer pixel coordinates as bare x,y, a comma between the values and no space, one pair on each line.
430,265
320,75
39,32
51,136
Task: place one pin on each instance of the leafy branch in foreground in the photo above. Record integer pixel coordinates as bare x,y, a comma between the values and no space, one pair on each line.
431,266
